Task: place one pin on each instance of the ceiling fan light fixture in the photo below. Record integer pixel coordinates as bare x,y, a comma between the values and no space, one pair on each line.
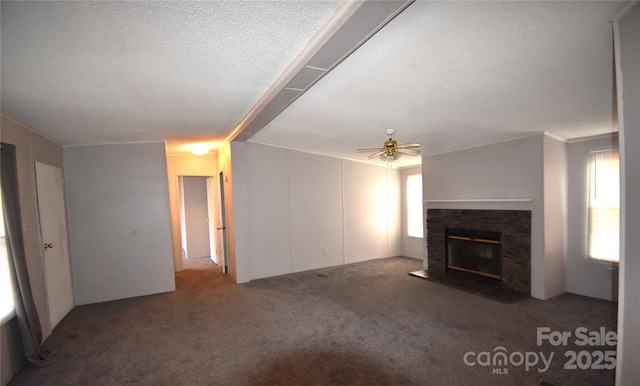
390,156
391,151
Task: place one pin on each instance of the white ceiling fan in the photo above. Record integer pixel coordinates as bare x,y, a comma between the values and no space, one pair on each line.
391,150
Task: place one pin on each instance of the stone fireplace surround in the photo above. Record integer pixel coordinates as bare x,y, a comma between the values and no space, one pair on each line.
515,226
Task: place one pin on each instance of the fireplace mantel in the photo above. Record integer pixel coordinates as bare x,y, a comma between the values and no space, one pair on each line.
506,199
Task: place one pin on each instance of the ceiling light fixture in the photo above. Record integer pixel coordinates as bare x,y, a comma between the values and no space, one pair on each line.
200,149
391,151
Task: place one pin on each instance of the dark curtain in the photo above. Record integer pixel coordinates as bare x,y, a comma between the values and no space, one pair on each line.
28,320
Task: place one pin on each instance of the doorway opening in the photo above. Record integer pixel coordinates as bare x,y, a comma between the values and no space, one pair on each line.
202,223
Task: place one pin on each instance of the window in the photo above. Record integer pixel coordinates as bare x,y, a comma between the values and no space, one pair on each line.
414,206
6,288
604,205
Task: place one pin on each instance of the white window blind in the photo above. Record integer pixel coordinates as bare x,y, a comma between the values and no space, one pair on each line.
604,205
415,227
6,287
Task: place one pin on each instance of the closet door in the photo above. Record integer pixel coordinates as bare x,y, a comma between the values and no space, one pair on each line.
53,232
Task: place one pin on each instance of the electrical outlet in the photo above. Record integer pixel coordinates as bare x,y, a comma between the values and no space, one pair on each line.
325,251
110,279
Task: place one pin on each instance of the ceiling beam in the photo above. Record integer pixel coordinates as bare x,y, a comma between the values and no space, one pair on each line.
353,23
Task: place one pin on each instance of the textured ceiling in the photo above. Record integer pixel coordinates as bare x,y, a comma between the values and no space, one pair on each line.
452,75
103,72
448,75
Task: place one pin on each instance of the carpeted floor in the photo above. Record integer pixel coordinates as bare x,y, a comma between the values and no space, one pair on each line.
368,323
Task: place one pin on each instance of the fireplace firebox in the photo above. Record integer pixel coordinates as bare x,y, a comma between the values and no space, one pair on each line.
474,252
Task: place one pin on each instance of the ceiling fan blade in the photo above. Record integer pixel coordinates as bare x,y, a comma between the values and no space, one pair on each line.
408,145
368,150
377,154
408,151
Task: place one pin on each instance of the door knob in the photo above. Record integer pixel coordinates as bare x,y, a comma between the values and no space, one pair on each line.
48,245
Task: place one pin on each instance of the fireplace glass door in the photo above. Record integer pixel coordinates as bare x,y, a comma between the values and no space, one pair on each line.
474,252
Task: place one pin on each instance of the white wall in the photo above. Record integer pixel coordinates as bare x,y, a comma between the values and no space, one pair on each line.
411,246
627,55
119,225
466,179
394,205
270,241
235,189
584,276
306,211
372,211
315,188
366,212
555,215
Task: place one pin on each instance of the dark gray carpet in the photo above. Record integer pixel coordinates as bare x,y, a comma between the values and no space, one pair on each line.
367,323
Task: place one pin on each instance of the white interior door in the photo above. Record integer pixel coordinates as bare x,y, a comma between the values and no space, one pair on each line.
211,207
183,223
53,232
221,240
